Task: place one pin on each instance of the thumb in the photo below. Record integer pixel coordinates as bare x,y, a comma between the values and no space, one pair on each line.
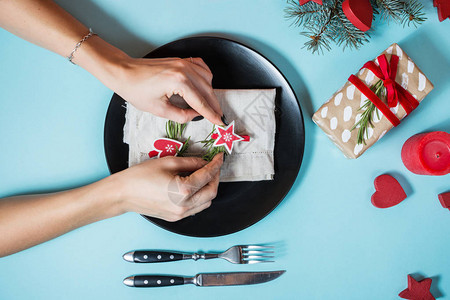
174,113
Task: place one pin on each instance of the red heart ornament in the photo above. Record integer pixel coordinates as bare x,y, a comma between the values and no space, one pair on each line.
165,147
444,198
388,192
443,9
359,12
301,2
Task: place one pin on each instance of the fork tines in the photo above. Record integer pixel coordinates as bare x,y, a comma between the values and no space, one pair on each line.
253,254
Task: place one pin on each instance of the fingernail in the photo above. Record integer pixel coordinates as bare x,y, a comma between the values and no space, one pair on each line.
197,118
218,159
223,157
224,120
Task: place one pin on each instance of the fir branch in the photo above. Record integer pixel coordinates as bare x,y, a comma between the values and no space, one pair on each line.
318,41
412,13
347,34
391,9
315,19
327,23
375,8
302,14
367,116
320,31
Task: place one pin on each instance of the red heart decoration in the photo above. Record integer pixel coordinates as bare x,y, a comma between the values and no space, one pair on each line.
359,12
444,198
388,192
165,147
443,9
301,2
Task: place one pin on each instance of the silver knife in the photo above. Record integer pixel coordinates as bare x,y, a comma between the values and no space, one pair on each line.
203,279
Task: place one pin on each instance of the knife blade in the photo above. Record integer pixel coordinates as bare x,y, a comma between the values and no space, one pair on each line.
203,279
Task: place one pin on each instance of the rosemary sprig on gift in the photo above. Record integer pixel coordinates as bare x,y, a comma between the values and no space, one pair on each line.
367,116
211,151
175,131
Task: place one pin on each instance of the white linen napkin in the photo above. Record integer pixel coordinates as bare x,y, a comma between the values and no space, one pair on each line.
254,114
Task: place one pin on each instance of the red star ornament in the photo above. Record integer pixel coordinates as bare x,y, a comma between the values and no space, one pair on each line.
306,1
165,147
227,137
417,290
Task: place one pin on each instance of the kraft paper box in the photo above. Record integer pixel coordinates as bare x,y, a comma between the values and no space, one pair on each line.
342,111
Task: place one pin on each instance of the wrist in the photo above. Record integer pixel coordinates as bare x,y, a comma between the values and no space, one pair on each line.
108,195
106,62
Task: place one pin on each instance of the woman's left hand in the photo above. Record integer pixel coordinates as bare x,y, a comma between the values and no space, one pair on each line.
149,83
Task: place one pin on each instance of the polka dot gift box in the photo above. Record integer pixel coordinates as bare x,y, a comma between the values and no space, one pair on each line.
377,98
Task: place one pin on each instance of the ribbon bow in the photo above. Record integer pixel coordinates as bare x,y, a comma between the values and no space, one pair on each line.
395,92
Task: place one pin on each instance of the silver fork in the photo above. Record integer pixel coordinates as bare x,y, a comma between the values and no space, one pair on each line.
239,254
247,254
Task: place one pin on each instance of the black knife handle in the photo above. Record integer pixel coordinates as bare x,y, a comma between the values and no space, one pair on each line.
157,280
142,256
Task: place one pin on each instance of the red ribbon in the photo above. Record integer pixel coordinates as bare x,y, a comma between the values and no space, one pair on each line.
394,91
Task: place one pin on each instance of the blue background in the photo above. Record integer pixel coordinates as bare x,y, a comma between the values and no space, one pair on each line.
334,243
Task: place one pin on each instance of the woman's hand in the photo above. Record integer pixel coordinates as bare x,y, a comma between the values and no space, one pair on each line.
155,187
146,83
149,83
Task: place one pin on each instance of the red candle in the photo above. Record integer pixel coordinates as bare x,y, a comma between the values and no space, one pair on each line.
427,153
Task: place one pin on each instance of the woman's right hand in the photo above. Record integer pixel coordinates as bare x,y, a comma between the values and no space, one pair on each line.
155,188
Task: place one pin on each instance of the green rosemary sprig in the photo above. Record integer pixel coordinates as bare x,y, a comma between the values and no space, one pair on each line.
175,131
367,116
211,151
184,148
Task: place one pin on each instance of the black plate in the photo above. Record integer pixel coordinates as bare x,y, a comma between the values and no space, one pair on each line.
240,204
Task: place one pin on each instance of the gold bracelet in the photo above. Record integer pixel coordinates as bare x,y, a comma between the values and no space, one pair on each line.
78,45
